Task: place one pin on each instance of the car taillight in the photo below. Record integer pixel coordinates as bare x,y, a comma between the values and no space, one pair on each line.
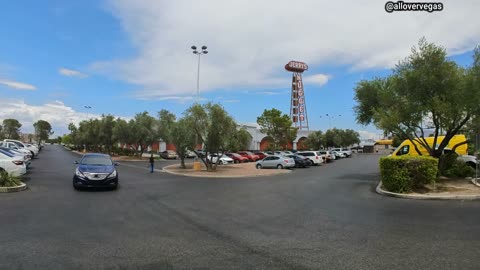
286,160
316,157
17,162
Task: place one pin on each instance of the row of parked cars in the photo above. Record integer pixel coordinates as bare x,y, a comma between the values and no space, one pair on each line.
16,156
269,159
302,159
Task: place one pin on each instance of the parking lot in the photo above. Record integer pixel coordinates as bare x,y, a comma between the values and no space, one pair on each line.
325,217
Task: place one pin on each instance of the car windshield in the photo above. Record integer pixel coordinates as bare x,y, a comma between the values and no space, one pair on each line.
6,153
96,160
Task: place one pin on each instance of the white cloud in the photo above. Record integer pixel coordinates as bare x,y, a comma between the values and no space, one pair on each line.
272,93
318,79
366,135
71,73
56,113
249,41
17,85
231,100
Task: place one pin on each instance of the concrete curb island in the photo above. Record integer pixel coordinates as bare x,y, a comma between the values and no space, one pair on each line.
381,191
165,169
22,187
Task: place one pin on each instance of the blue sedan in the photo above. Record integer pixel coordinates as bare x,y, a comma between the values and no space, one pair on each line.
95,170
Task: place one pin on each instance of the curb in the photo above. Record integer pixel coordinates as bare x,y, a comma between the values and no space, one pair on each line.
473,181
22,187
165,169
381,191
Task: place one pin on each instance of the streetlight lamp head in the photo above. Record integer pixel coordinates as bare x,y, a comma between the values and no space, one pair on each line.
204,47
194,47
205,52
195,52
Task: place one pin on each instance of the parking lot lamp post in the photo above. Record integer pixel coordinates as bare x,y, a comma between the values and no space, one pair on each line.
199,53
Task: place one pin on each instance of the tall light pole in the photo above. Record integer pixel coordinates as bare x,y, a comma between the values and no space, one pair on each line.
87,107
199,53
330,117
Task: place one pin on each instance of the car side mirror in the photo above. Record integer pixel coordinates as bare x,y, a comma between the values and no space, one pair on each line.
76,162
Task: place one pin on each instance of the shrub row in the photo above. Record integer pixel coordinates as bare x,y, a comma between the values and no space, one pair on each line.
403,174
450,166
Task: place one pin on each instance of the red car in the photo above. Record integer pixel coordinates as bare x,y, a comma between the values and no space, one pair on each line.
261,155
237,158
251,156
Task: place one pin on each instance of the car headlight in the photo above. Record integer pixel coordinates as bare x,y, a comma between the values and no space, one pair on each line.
113,174
79,173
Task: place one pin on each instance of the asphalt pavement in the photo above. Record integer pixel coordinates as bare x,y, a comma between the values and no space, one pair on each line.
326,217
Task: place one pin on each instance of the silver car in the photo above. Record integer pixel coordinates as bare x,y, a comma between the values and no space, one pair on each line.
279,162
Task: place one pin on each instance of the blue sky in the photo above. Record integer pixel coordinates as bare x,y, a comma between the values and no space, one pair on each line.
123,57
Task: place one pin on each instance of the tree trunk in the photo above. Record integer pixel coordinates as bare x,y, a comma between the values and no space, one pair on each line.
182,162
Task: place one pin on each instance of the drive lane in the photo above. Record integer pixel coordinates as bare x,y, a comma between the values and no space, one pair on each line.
324,217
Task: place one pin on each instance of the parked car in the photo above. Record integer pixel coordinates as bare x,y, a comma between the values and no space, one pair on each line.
169,154
26,158
190,154
338,154
95,170
470,160
315,159
275,162
31,148
261,155
251,156
326,156
12,164
348,152
14,146
300,161
200,153
237,158
224,159
345,151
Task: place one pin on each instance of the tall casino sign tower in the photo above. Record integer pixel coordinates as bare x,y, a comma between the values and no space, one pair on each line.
298,106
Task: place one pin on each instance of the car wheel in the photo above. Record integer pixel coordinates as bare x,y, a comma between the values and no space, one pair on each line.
279,166
235,161
312,163
259,166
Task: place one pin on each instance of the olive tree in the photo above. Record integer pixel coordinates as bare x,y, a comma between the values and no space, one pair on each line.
213,127
426,85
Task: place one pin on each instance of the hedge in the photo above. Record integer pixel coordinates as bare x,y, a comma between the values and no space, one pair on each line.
403,174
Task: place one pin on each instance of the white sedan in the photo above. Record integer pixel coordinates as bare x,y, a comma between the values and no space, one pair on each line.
223,159
13,165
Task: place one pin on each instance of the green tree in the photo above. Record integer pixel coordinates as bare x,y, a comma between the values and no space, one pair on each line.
315,140
426,84
122,132
11,128
349,137
166,124
107,124
213,127
1,133
240,140
144,131
43,130
184,138
277,126
333,138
